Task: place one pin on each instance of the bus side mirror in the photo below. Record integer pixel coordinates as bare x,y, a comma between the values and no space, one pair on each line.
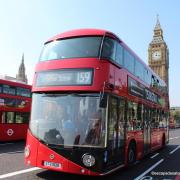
103,101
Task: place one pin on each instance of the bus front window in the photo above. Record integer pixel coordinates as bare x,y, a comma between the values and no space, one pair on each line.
79,47
74,120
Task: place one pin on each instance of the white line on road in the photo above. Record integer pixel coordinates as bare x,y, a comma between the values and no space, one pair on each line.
174,150
5,144
12,152
148,170
18,172
174,138
154,155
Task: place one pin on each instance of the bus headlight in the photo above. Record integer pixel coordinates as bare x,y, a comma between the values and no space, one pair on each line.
27,151
88,160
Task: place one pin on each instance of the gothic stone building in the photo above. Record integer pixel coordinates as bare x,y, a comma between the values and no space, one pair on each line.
158,54
21,76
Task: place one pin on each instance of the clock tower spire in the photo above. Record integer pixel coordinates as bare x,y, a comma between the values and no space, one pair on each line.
158,54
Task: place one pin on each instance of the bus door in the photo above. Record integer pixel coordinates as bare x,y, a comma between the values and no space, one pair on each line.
116,135
147,130
156,139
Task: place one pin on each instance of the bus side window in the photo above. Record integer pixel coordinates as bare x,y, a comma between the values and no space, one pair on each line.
139,69
134,120
119,54
129,61
0,88
152,118
155,122
129,117
161,125
139,117
113,128
2,117
121,122
134,116
22,118
8,117
109,49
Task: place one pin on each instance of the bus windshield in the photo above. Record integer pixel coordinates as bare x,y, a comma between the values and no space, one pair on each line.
72,120
79,47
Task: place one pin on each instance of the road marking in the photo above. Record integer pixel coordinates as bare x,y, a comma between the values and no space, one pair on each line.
174,150
147,178
174,138
5,144
18,172
148,170
154,155
13,152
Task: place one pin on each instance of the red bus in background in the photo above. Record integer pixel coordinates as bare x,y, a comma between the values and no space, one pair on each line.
15,104
96,107
172,122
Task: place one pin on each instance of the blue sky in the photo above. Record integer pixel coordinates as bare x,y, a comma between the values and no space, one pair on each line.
27,24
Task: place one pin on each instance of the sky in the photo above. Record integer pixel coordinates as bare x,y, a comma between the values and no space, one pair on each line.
26,24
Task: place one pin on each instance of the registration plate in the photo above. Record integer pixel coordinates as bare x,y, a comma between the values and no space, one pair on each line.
52,164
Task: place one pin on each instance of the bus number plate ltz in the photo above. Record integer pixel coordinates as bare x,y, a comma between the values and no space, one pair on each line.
52,164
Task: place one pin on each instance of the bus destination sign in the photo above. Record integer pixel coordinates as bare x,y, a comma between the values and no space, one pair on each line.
65,77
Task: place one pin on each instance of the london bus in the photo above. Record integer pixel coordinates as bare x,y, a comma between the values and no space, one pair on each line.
96,106
15,104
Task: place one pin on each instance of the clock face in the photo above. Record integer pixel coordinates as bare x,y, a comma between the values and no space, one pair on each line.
156,55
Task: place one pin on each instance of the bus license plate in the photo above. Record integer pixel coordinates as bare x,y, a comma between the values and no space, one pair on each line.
52,164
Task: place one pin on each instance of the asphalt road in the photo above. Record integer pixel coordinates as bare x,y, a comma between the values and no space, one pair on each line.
160,165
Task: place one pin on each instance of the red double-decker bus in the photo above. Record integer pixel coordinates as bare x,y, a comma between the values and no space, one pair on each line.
96,107
15,105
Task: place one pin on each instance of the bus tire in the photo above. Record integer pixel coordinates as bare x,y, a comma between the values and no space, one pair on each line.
131,156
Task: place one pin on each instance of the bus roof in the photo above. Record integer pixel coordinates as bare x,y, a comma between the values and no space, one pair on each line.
80,32
14,83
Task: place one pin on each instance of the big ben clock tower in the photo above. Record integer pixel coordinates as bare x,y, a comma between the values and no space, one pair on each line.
158,54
